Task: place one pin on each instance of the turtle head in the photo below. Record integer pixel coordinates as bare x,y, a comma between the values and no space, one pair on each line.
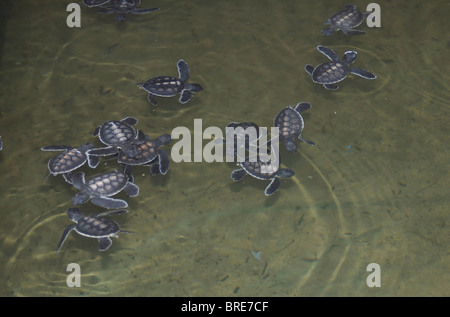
290,145
74,214
80,198
193,87
285,173
163,139
349,57
121,16
328,31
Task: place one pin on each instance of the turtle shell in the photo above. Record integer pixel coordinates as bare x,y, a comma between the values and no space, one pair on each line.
164,86
116,133
97,227
147,152
329,73
346,19
290,123
67,161
255,169
107,184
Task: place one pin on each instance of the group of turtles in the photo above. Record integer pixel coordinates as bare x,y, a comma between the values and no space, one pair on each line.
289,120
132,147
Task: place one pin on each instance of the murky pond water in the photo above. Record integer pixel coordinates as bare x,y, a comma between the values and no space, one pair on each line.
373,190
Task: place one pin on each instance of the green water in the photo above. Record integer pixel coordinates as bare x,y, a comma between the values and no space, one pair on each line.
386,201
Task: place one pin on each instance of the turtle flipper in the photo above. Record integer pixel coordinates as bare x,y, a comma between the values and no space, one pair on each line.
56,148
238,174
94,3
110,213
186,95
328,52
330,86
93,161
102,151
104,243
130,120
163,161
130,149
302,106
353,32
131,189
152,99
362,73
309,69
272,187
109,203
183,70
154,168
77,180
127,170
306,141
143,11
64,236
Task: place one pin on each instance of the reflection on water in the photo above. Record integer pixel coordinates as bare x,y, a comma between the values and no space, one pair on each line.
196,231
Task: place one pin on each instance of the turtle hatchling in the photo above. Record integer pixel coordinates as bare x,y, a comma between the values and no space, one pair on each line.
94,226
264,171
71,159
245,136
346,20
290,124
118,135
101,187
168,86
332,72
121,7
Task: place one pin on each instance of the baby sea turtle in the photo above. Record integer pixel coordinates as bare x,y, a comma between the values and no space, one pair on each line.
118,135
332,72
245,136
346,20
290,123
99,188
149,154
121,7
168,86
93,227
263,170
71,159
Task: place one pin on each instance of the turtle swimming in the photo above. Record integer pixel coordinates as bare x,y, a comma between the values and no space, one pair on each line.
263,170
291,123
118,135
245,136
101,187
121,7
149,154
168,86
346,20
71,159
94,226
332,72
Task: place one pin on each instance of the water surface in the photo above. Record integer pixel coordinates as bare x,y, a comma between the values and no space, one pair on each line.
373,190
